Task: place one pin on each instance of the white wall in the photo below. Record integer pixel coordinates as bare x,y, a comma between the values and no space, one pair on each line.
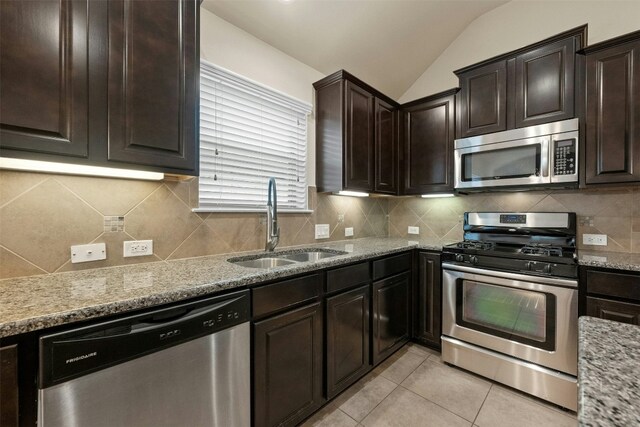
519,23
230,47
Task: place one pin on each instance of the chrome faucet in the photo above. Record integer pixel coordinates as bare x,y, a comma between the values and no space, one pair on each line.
273,230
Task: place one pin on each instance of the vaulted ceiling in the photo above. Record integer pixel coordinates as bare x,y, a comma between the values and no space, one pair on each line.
387,43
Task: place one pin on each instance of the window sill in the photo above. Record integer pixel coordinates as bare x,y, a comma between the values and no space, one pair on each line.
236,210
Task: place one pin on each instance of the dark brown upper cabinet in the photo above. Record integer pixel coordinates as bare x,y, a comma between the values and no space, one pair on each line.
545,84
114,84
354,125
526,87
483,99
612,142
386,148
428,144
44,107
153,82
358,141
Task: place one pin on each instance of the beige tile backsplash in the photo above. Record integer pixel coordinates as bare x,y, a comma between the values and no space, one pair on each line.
42,215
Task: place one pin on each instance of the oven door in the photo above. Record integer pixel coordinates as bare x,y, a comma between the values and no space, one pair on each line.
528,317
512,163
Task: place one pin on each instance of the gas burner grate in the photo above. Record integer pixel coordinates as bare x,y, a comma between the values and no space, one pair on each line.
545,250
476,244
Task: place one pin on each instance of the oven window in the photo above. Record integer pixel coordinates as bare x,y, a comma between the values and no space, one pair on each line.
516,314
505,163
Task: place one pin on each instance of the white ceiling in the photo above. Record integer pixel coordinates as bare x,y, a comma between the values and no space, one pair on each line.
387,43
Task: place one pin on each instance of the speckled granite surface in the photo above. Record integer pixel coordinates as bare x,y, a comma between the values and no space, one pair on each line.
608,373
38,302
617,260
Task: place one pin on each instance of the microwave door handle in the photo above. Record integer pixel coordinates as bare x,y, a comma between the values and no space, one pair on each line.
545,156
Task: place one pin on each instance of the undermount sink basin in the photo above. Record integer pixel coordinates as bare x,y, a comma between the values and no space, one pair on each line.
272,260
309,256
267,262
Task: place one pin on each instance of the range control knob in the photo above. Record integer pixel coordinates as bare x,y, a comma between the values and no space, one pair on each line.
459,257
528,265
546,269
473,259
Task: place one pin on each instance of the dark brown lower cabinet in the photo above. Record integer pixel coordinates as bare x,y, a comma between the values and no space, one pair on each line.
391,315
428,301
613,310
287,367
9,386
347,338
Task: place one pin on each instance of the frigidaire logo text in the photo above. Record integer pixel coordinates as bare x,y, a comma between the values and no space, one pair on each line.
84,356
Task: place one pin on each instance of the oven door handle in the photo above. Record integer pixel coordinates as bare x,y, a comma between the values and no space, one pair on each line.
515,276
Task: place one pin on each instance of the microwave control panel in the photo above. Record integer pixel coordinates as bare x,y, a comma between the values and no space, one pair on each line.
564,157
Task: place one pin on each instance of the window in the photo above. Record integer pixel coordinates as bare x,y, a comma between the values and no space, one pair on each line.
249,133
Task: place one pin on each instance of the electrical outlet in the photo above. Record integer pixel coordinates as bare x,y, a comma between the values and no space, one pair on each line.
87,253
348,232
137,248
322,231
594,239
413,230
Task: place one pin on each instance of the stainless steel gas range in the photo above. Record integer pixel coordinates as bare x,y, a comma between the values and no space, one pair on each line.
510,302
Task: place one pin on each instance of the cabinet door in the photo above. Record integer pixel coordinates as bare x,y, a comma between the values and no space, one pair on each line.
9,386
612,152
287,367
347,338
153,83
545,84
613,310
386,145
391,313
44,84
358,144
483,100
429,136
428,300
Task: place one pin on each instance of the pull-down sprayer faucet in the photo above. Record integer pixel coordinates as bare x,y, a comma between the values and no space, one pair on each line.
273,230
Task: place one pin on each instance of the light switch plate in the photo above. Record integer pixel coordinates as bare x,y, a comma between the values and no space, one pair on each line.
137,248
413,230
87,253
348,232
594,239
322,231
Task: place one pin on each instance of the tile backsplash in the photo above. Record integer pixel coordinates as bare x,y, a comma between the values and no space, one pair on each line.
42,215
614,212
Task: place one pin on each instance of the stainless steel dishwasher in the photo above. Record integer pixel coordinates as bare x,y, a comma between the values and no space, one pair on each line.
186,365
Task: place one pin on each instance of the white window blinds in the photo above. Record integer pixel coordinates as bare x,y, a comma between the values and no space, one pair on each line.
249,133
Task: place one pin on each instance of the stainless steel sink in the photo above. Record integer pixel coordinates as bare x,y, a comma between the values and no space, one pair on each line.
285,258
267,262
309,256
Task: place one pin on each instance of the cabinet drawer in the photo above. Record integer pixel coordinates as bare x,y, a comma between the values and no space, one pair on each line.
275,297
619,285
391,265
349,276
613,310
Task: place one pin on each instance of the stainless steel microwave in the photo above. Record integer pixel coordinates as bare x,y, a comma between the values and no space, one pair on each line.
532,156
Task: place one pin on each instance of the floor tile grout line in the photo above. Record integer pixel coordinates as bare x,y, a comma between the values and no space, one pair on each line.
483,401
379,403
437,404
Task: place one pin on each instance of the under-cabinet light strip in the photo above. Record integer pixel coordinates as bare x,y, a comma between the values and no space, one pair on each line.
71,169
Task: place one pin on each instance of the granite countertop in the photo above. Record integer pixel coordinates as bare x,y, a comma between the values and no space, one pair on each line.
608,373
617,260
38,302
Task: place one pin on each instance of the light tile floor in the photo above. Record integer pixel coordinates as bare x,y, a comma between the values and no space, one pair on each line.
415,388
